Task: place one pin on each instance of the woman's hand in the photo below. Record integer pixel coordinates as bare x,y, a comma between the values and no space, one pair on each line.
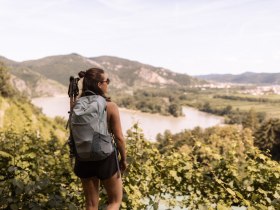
123,165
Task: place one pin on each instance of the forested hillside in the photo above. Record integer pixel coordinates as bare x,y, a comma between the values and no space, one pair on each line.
215,168
31,83
19,114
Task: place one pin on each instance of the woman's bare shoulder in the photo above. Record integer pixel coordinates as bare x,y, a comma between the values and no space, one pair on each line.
111,106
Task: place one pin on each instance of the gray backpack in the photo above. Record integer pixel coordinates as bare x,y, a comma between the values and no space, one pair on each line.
89,129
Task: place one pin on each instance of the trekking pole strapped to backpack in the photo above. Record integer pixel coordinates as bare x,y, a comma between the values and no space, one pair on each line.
73,91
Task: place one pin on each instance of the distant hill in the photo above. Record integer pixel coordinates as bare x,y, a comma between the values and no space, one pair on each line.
60,67
134,73
123,72
31,83
245,78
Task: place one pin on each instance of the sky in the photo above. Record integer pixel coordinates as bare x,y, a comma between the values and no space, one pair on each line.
186,36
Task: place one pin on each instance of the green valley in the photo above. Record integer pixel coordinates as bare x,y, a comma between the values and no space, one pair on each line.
213,168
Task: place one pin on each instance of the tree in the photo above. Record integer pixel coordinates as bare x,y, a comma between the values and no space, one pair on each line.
267,137
206,107
250,120
6,89
175,110
227,110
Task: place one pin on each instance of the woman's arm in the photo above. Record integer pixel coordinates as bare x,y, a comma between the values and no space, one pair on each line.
115,125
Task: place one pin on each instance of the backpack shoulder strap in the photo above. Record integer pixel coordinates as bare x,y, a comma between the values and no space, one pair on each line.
102,114
102,106
89,91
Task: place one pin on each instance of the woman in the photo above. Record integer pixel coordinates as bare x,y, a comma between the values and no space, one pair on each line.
104,171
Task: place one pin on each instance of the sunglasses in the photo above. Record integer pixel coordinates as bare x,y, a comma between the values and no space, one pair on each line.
107,81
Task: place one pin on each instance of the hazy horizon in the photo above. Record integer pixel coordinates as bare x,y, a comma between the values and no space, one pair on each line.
192,37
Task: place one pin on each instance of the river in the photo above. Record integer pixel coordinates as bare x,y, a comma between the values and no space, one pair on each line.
152,124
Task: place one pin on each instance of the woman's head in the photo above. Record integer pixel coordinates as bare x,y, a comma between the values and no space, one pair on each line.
96,80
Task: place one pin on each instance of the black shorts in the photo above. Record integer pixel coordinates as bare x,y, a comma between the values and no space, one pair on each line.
102,169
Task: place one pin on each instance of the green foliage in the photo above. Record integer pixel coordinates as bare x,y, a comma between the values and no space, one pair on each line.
197,169
248,98
142,184
267,137
249,119
175,109
6,89
221,166
151,100
35,173
220,99
20,114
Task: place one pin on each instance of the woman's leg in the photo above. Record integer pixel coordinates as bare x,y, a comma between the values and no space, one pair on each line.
91,191
113,187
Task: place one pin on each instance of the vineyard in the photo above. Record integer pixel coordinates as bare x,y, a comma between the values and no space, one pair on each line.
221,170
